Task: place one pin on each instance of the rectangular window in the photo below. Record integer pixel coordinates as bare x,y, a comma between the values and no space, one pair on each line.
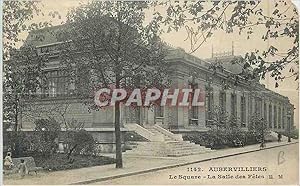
265,112
279,118
56,84
250,106
159,111
194,112
223,101
243,111
233,105
258,105
209,98
270,116
275,117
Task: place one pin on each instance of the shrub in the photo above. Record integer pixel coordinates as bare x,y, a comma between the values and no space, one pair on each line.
16,142
258,127
79,142
58,161
216,139
45,136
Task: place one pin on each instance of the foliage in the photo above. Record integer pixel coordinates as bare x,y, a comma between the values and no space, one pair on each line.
294,133
45,137
21,66
57,162
23,73
16,18
208,139
115,47
202,19
223,128
79,142
111,46
11,138
258,127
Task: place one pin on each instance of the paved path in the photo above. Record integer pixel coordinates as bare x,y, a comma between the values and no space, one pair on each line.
132,166
274,166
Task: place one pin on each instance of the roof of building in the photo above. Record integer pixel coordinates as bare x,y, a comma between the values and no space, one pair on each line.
47,37
231,63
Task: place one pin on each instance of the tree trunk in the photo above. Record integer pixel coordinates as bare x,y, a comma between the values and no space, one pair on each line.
119,162
16,146
70,152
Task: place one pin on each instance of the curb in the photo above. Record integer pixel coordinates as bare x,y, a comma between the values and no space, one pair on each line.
171,166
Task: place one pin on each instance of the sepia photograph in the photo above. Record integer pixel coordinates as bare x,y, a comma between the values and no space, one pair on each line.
99,92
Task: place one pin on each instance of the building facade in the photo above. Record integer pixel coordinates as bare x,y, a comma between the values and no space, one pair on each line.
241,99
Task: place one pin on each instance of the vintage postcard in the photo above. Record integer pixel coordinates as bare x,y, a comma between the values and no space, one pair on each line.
150,92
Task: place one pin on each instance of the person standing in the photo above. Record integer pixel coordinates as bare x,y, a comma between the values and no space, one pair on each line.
279,137
22,168
8,163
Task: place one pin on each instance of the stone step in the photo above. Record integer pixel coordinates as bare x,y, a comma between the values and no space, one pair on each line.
184,150
187,147
168,147
155,131
186,154
181,145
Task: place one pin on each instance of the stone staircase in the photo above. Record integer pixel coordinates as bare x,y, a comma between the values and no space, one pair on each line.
156,132
171,145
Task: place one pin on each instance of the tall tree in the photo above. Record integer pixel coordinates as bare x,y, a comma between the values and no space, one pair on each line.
22,66
108,44
17,16
270,19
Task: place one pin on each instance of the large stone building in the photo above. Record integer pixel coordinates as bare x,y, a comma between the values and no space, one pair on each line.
239,98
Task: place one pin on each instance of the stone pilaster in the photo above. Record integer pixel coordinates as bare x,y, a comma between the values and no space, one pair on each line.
284,117
181,119
216,92
279,119
272,115
253,106
275,126
185,114
267,112
247,108
170,117
150,115
238,105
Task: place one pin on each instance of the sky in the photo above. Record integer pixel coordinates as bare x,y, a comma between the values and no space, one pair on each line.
220,42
